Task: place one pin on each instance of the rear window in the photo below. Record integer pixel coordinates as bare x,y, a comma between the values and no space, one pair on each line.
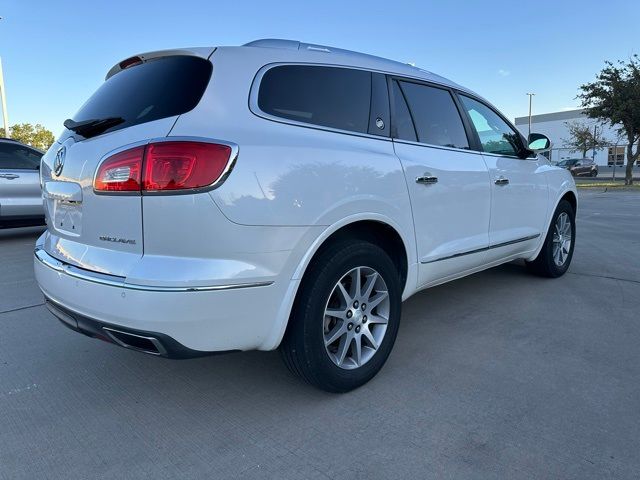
327,96
159,88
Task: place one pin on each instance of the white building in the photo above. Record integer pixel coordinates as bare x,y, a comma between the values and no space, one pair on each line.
554,126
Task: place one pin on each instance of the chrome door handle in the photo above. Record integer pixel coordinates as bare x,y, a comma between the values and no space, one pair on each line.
9,176
427,180
502,181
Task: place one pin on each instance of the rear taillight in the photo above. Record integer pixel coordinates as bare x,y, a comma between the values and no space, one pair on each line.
121,172
183,165
163,166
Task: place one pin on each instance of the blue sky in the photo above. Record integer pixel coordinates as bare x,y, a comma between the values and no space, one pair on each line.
56,53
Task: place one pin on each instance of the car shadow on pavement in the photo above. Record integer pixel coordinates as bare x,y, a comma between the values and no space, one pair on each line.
430,317
22,232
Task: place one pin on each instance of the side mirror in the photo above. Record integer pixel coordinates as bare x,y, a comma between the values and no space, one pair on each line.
539,142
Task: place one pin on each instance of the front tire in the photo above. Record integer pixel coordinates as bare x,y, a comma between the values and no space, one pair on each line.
345,318
556,254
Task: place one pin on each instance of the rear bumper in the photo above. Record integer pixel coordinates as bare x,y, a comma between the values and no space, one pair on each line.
185,321
153,343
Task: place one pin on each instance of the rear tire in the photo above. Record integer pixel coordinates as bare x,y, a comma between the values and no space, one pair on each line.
556,254
335,341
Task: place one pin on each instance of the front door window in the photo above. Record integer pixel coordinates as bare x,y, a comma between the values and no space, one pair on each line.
496,136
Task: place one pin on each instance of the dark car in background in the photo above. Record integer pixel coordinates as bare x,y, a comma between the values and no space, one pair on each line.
20,194
580,167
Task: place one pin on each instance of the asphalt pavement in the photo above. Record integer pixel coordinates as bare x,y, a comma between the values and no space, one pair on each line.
500,375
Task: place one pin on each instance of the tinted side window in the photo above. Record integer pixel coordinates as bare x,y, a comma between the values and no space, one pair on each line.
402,122
328,96
496,136
18,156
435,115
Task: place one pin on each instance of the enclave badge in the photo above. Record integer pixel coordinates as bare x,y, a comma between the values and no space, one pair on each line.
128,241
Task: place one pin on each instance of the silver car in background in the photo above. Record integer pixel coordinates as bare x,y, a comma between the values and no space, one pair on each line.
20,195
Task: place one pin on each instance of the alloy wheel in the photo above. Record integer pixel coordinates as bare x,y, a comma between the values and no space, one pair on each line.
356,317
562,237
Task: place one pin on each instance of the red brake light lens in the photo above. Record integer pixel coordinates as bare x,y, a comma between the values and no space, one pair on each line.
121,172
130,62
163,166
183,165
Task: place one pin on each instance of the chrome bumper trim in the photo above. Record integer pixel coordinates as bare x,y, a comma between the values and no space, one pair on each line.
121,282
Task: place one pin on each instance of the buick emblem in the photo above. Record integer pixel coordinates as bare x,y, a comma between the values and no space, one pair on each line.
58,163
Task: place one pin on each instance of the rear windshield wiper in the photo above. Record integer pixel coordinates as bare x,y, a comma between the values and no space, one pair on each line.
91,128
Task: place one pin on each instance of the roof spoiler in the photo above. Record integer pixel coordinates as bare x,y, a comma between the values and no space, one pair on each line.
203,52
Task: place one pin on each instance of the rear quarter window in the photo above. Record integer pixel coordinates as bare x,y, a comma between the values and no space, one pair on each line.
326,96
160,88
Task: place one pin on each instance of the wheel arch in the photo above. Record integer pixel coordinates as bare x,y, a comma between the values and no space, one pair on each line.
384,232
399,244
570,195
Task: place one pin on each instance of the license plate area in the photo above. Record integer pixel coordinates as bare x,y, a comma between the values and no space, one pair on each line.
67,217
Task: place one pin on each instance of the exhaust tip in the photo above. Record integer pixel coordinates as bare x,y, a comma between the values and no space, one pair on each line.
140,343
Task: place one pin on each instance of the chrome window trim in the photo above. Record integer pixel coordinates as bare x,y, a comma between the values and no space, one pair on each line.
439,147
483,249
501,155
235,150
121,282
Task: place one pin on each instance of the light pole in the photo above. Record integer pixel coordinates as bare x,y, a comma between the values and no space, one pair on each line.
3,99
530,99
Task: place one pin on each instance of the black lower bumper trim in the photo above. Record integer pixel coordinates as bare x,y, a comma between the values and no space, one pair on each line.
17,222
170,348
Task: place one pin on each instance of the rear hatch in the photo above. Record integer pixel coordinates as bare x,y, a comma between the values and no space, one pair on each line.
140,100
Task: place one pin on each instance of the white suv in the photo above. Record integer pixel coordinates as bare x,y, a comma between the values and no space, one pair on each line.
282,194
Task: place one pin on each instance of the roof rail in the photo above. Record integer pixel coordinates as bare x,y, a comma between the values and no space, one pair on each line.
314,47
274,43
295,45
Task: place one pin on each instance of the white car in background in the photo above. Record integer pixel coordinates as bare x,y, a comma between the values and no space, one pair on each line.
283,194
20,195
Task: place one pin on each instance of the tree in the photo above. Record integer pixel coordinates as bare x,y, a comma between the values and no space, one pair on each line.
614,98
583,137
37,136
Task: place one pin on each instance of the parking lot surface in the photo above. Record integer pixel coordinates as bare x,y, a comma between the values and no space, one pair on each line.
499,375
